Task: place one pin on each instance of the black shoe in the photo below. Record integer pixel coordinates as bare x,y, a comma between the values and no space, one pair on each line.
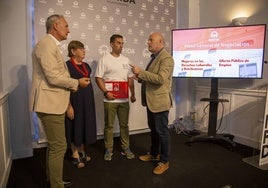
67,183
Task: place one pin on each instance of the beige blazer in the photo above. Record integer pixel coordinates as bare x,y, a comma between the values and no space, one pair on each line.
158,81
51,82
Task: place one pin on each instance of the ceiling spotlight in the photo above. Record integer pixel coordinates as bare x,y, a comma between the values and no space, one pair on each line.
239,21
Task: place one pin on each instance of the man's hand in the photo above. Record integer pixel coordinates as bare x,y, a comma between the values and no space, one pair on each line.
70,112
132,98
84,82
110,96
135,69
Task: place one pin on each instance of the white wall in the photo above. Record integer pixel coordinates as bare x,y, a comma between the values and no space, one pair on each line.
205,13
5,155
220,13
181,86
243,122
242,116
14,76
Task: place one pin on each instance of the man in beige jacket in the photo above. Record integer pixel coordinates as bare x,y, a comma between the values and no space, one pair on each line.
51,86
156,82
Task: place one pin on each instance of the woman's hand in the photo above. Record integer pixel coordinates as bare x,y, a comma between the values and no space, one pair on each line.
70,112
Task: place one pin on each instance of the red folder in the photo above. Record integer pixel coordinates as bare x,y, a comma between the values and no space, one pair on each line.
120,89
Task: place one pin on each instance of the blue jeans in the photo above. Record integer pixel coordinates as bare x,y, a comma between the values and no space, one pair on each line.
160,134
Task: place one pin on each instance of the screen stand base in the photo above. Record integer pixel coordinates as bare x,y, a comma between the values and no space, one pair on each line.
223,139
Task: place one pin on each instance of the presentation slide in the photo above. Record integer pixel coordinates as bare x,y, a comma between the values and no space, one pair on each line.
223,52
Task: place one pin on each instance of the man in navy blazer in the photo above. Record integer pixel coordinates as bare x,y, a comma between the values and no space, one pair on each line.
51,86
156,82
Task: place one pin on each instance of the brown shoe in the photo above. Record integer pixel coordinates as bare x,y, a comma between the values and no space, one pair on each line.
149,157
161,168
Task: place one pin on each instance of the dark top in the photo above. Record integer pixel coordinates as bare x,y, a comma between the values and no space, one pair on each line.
82,129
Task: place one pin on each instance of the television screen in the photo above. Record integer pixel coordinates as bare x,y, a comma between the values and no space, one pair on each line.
219,52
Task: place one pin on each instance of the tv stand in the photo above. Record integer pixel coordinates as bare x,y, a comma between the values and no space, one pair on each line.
212,136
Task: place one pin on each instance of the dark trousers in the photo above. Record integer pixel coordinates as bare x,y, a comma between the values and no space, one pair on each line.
160,134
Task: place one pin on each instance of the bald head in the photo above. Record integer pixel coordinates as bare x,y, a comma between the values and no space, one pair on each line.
155,42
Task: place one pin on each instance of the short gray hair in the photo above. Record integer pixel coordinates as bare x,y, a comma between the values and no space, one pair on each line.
51,20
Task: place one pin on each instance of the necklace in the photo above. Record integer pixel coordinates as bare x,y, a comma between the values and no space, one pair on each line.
83,71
